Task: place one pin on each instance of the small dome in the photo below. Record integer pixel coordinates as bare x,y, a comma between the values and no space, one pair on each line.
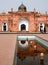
22,7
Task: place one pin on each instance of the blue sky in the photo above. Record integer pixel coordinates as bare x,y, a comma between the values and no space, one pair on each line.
40,5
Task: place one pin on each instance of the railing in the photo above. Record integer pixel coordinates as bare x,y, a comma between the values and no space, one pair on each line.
41,41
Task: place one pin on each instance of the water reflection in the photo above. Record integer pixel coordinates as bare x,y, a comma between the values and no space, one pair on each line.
42,62
33,60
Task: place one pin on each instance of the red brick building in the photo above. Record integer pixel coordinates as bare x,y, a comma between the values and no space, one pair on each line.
23,20
23,29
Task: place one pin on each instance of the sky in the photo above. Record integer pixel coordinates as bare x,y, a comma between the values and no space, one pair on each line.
39,5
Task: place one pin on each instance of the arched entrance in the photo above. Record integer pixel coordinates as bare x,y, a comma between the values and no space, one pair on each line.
23,24
23,27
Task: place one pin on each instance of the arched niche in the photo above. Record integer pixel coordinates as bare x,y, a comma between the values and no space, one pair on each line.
4,26
42,27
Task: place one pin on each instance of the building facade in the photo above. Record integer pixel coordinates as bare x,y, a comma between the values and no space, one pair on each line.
22,34
22,20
